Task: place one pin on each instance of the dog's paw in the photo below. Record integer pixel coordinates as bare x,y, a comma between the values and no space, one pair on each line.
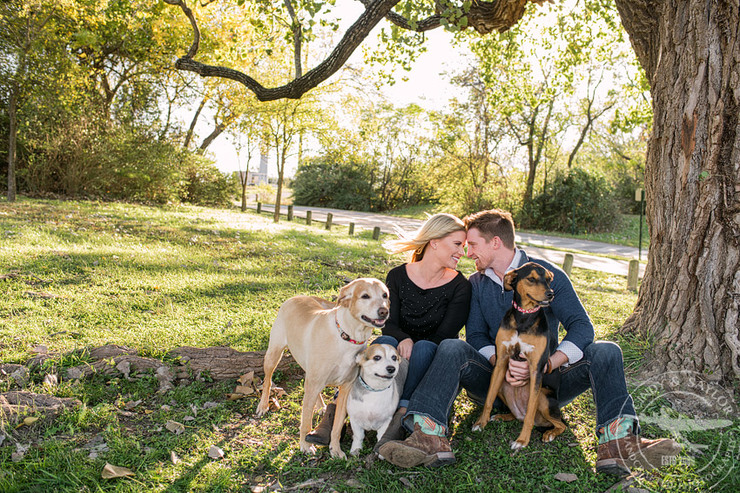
517,445
355,452
337,453
479,425
261,411
548,436
308,448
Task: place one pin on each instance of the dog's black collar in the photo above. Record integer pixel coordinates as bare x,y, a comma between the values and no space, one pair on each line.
344,335
367,387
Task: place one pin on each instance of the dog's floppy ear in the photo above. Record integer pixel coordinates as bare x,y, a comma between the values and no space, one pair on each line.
345,294
549,275
510,280
361,357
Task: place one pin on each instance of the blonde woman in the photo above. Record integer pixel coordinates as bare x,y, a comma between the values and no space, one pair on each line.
430,298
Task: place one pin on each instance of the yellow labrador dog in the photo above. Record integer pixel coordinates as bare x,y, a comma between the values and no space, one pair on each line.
325,339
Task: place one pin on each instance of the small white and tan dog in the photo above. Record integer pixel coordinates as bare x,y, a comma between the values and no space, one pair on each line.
375,393
325,338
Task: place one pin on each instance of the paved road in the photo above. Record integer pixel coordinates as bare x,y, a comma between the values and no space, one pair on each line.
546,247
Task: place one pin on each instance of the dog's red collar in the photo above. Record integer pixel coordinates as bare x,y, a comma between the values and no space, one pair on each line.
522,310
344,335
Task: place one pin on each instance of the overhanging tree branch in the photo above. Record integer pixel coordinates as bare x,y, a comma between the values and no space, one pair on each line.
484,17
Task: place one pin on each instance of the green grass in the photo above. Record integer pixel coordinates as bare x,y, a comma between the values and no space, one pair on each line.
155,278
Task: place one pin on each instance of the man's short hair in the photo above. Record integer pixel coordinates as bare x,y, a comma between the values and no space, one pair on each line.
494,222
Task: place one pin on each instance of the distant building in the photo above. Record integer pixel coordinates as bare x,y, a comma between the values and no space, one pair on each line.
257,177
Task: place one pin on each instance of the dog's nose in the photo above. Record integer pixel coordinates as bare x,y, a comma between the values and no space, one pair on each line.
390,369
382,312
550,294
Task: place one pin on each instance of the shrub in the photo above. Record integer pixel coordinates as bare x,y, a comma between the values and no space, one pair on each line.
326,182
205,183
87,157
576,200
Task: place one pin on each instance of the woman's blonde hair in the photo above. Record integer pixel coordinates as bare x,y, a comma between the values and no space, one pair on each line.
436,227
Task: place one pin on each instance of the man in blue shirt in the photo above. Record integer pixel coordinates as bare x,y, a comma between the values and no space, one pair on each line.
578,361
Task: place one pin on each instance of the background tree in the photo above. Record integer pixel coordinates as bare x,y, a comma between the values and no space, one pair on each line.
28,51
469,171
246,136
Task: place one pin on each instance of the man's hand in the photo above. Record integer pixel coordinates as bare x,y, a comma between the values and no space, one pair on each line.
518,372
405,347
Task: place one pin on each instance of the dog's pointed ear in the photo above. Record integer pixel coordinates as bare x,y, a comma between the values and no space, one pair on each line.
549,275
345,294
510,280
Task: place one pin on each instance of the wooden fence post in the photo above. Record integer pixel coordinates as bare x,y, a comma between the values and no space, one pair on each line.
259,207
632,274
351,229
329,217
290,212
568,263
376,232
308,218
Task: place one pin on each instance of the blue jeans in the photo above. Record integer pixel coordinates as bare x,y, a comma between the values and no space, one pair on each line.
422,355
457,365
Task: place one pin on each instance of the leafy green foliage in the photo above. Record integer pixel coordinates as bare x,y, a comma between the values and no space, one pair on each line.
333,180
574,201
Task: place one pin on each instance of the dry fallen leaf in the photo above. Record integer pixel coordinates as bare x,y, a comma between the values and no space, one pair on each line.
274,404
28,421
235,397
110,471
51,380
174,458
246,379
215,452
566,477
20,451
131,404
244,389
175,427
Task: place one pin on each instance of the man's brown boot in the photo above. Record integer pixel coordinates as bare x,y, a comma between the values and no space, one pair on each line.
618,456
394,431
417,450
322,434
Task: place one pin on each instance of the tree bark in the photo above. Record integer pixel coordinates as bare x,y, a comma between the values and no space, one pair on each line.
689,301
12,141
191,129
218,130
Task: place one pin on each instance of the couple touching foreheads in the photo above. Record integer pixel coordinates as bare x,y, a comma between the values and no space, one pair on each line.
431,301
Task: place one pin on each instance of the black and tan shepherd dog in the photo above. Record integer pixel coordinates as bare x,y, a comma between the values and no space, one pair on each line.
524,333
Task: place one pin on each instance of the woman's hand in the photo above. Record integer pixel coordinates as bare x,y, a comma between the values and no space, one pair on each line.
405,347
517,374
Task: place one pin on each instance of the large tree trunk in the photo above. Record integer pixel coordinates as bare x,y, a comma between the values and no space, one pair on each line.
689,301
